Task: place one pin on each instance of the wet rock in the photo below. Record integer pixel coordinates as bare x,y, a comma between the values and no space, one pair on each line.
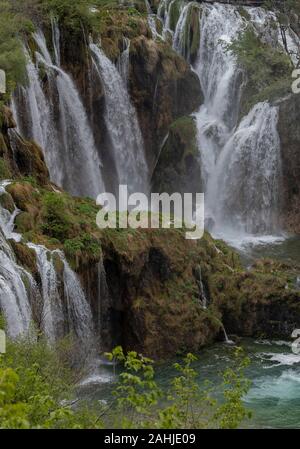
163,88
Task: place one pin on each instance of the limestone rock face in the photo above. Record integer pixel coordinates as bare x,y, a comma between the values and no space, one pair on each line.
178,168
289,131
163,88
19,156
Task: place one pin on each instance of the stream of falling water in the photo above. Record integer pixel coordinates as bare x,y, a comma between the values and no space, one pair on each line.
240,160
56,310
67,140
122,125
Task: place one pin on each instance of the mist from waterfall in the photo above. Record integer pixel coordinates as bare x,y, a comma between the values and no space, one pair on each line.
122,124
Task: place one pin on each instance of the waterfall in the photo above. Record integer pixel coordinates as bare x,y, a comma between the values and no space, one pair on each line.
202,291
182,30
68,142
122,125
152,18
244,187
51,318
14,298
240,163
7,219
79,312
56,40
123,61
55,314
227,340
166,12
21,301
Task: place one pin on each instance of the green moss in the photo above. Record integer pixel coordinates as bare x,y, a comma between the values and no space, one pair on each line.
5,172
191,37
244,13
24,222
25,257
57,220
7,202
175,9
83,248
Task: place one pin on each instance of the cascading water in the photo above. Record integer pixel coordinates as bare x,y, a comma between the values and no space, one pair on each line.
243,190
220,80
182,32
55,315
122,124
123,62
22,301
50,313
233,205
56,40
68,142
78,309
241,164
152,21
14,297
166,12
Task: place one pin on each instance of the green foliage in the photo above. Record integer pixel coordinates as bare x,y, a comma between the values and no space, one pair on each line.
12,58
84,243
137,393
38,382
263,63
232,411
73,15
57,221
186,404
34,380
268,70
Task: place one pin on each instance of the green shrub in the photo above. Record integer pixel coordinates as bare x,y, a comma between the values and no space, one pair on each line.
268,70
57,222
34,380
12,58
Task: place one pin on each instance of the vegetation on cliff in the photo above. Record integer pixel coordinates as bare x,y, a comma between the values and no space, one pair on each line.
267,70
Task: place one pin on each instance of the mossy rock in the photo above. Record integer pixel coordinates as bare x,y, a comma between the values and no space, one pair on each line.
191,34
178,167
5,171
7,120
25,257
3,147
23,195
7,202
24,222
175,10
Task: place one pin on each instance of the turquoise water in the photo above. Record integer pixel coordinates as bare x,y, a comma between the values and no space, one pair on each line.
274,396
